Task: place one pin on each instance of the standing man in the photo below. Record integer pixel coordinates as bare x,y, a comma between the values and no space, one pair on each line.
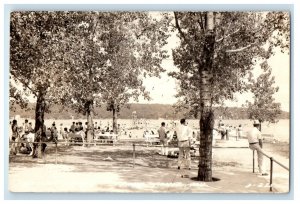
53,132
72,128
25,128
227,129
30,128
255,143
76,127
239,131
85,128
15,138
61,131
222,131
184,135
163,139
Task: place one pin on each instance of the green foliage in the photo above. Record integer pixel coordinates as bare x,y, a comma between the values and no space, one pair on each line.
115,50
36,58
135,49
241,39
263,108
35,54
83,58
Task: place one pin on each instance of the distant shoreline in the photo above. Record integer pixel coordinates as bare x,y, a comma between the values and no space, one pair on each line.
142,111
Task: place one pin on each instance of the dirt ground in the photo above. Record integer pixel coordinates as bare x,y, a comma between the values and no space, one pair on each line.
113,169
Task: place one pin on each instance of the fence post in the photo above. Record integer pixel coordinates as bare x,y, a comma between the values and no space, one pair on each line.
253,161
271,173
133,145
55,152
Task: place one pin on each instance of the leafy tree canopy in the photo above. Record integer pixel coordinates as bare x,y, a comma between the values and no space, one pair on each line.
241,40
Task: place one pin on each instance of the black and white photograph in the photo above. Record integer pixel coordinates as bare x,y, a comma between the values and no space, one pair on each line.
149,101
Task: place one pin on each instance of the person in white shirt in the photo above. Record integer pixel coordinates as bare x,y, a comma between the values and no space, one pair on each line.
239,132
255,143
61,131
184,135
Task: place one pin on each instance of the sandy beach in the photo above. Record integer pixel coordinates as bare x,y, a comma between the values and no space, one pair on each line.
112,169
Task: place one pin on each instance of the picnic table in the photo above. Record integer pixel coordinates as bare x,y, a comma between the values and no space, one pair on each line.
75,137
151,138
106,137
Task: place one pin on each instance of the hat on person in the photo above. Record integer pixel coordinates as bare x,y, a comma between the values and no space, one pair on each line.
255,122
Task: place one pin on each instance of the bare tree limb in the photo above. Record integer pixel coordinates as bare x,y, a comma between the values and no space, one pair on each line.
226,36
240,49
201,22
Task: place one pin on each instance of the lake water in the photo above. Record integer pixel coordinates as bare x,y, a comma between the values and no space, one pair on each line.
280,130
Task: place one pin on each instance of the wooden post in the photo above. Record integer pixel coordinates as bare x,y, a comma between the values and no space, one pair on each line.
55,152
271,174
133,145
253,159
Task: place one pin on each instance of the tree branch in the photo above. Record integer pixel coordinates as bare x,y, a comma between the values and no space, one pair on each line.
240,49
179,29
184,37
226,36
141,33
25,84
201,22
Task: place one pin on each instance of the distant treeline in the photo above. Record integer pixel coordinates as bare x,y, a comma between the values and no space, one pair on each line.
148,111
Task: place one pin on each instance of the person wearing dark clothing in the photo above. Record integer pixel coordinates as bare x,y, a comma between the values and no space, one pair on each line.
26,126
15,137
162,133
72,128
53,132
30,128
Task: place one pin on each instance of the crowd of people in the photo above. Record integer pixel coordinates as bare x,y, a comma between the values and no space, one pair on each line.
184,136
19,133
79,132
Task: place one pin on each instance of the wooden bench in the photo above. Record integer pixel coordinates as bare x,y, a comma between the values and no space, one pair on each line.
106,138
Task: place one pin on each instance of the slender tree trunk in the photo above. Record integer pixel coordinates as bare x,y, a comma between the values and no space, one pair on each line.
115,118
40,131
90,115
207,115
259,128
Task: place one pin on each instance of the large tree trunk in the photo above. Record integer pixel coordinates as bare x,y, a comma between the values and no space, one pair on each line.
207,116
90,126
115,118
40,130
